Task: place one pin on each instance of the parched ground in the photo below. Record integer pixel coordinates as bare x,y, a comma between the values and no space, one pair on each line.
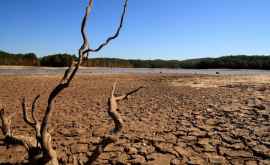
176,119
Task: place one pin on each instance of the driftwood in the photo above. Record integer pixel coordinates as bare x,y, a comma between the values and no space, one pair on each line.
39,148
118,121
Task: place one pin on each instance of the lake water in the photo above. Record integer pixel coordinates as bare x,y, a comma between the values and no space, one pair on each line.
18,70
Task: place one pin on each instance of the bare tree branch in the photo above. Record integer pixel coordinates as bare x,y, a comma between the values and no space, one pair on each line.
125,96
35,124
34,109
25,116
113,107
69,74
118,121
115,35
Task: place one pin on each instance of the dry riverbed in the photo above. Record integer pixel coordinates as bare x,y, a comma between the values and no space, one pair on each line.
176,119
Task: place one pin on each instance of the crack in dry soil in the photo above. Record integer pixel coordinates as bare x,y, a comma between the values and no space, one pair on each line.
164,123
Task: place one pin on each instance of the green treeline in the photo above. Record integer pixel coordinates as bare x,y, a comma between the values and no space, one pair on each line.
127,63
61,60
107,62
57,60
28,59
230,62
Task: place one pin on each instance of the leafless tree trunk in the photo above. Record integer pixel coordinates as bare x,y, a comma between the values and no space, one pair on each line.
40,150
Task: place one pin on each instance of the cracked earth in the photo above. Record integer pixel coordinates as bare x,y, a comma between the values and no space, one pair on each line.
176,119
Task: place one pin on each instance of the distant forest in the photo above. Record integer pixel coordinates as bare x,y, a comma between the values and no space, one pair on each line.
61,60
28,59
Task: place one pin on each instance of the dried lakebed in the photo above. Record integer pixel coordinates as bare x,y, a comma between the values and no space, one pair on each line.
188,119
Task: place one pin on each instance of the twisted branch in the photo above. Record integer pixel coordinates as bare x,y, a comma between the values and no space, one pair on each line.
113,136
68,76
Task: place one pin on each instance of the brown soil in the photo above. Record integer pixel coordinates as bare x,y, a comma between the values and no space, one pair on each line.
174,120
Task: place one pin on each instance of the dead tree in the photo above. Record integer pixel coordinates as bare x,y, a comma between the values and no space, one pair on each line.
39,148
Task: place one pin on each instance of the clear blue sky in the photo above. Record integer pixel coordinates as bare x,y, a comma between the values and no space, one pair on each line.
171,29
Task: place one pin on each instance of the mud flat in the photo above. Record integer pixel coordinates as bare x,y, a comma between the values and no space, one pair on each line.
24,70
176,119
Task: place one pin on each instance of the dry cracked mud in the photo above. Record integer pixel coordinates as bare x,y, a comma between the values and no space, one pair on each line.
176,119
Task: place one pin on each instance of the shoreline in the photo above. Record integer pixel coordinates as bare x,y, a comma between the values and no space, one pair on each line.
33,70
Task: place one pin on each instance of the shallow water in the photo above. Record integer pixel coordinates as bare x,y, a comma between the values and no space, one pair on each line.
23,70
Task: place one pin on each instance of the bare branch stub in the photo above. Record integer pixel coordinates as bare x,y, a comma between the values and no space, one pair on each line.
113,136
35,124
114,107
25,115
33,109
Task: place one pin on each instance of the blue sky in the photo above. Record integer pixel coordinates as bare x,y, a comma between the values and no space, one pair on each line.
172,29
